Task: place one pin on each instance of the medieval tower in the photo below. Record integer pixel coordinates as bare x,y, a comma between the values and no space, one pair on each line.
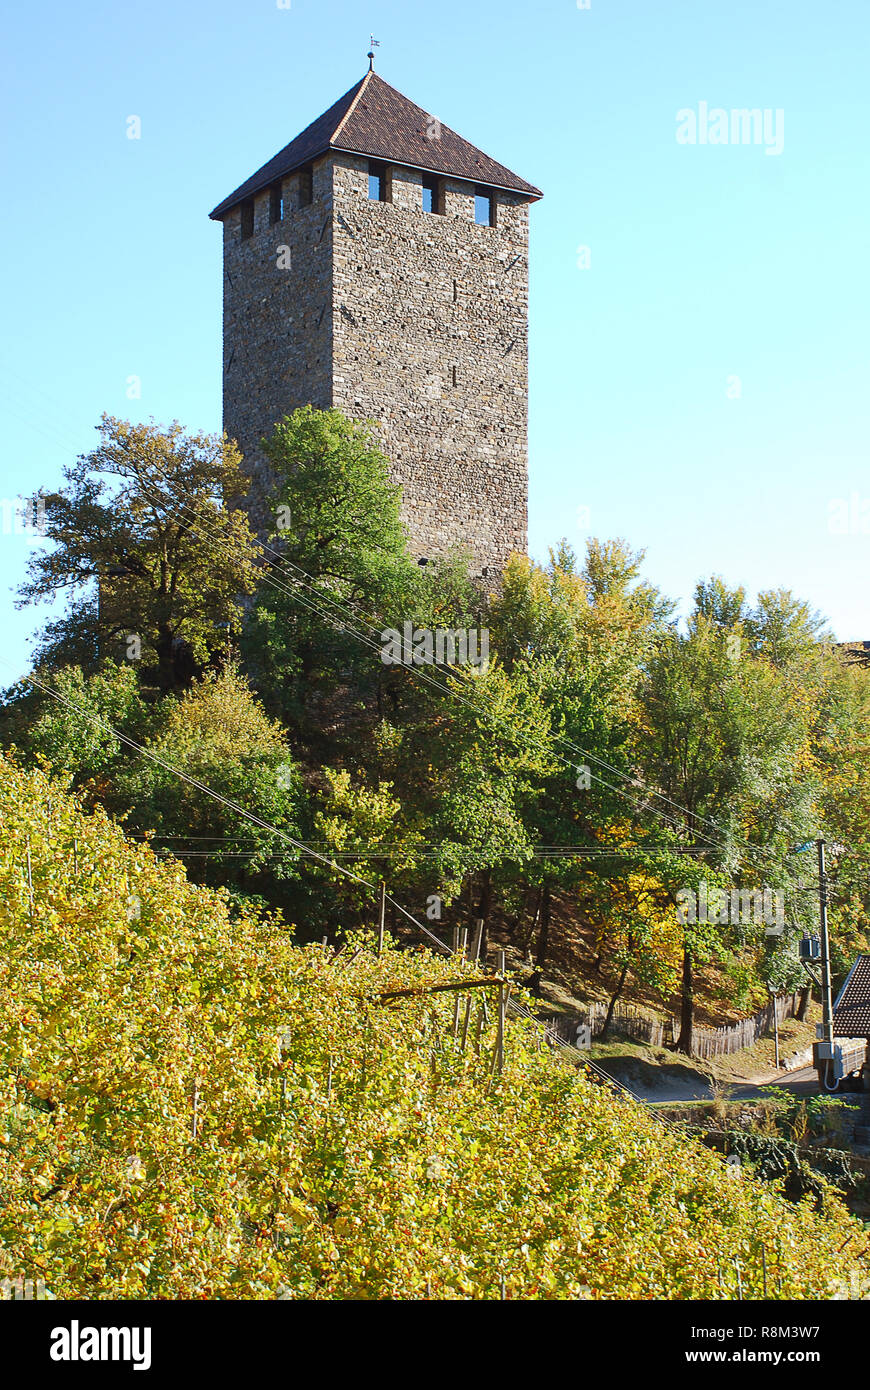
379,264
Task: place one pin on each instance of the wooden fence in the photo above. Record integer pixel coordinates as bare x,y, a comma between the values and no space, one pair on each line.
664,1031
628,1021
712,1042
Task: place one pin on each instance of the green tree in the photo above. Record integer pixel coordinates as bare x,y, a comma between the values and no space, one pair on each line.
578,638
151,555
843,753
784,628
337,549
725,737
723,606
74,735
218,734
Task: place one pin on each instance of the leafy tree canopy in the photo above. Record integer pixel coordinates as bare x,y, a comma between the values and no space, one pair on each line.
144,543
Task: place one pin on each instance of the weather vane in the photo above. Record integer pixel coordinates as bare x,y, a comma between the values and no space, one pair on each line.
375,43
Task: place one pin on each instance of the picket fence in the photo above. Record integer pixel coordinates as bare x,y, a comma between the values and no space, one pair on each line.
664,1031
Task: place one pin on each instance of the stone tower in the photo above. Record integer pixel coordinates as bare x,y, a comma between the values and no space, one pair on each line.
379,264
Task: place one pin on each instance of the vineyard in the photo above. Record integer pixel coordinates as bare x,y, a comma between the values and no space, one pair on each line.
195,1106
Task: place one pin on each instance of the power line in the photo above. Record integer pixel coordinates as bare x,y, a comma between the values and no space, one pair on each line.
517,1009
446,689
223,800
306,581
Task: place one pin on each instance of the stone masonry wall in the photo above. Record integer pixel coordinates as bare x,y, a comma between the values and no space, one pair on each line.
430,338
416,320
277,322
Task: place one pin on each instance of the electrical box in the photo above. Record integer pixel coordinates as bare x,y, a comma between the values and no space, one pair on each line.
810,948
849,1056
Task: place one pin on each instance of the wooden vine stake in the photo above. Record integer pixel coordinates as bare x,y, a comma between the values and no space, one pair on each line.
195,1124
382,911
502,1008
476,939
479,1029
29,883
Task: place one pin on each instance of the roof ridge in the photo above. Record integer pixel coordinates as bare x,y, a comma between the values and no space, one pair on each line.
350,110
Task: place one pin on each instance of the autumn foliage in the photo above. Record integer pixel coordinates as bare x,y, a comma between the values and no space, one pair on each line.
194,1106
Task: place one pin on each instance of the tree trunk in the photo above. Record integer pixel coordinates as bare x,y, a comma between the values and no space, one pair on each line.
544,933
612,1005
165,660
483,910
687,1006
804,1004
528,933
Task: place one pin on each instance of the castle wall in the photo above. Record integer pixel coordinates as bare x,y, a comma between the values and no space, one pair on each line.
430,338
277,321
414,319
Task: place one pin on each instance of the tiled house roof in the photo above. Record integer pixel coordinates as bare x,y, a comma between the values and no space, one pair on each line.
856,653
374,119
852,1007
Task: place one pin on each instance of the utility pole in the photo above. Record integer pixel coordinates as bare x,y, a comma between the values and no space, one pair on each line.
824,1051
773,998
827,998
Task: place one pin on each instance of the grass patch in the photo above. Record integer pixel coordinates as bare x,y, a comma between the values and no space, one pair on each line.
760,1059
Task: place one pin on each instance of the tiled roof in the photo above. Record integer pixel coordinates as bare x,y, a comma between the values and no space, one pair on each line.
374,119
856,653
852,1008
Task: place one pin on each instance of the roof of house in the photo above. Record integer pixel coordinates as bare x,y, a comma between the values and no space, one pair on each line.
856,653
374,119
852,1006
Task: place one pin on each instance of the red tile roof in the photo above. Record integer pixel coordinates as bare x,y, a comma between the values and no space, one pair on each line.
374,119
852,1008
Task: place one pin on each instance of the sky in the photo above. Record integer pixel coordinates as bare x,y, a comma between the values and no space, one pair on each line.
699,353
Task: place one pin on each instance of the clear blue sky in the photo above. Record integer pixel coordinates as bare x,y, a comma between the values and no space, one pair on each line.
708,262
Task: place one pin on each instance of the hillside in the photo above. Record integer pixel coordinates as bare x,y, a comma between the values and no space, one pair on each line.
196,1107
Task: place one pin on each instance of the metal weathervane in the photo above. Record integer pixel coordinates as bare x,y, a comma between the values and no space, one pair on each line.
373,44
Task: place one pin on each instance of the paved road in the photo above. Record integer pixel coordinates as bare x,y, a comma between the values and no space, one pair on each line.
800,1083
674,1091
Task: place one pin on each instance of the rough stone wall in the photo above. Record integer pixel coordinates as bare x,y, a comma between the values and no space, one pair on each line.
430,338
417,320
277,321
